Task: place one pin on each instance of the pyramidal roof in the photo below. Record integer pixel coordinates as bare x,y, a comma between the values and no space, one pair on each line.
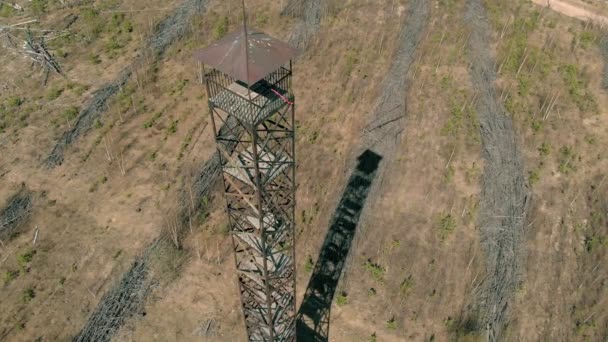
264,55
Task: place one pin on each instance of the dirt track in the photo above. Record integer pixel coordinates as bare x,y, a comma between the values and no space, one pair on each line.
170,30
572,10
504,195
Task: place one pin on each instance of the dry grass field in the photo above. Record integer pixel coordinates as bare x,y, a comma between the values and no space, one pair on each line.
416,266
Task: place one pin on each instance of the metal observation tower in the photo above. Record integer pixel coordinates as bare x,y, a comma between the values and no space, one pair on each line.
251,104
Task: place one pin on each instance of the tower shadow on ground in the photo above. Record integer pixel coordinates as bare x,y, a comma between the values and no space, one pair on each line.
313,316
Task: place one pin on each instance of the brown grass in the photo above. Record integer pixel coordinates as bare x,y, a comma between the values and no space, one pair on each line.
98,212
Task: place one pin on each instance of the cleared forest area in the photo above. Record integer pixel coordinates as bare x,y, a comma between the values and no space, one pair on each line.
486,126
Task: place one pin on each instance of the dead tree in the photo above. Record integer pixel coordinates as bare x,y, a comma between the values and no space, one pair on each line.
35,49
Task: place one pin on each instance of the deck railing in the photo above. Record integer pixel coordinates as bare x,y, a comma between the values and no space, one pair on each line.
266,90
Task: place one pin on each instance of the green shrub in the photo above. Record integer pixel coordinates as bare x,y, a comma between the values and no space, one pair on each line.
577,88
375,270
351,62
117,19
309,265
71,113
83,88
28,294
446,82
461,119
393,245
39,7
406,286
25,258
465,328
173,127
127,27
178,88
114,43
61,53
94,59
391,324
54,93
590,139
537,125
166,261
587,38
185,144
447,224
90,14
342,298
570,75
9,276
15,101
262,19
95,25
449,174
515,46
220,28
544,149
313,137
152,120
523,84
566,160
6,11
533,177
593,242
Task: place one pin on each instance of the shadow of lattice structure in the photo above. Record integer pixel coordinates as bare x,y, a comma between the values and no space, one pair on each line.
314,313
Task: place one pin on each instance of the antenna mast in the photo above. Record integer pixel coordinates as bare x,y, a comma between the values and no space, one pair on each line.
246,50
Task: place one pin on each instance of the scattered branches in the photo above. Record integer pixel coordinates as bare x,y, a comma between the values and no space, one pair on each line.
173,228
33,47
15,213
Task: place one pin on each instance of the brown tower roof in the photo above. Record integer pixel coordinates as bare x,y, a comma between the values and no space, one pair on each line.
265,54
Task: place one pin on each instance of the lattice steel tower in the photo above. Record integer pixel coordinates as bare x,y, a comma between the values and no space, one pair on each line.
252,111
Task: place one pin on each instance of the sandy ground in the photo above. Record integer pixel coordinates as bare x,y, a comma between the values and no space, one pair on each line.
573,9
